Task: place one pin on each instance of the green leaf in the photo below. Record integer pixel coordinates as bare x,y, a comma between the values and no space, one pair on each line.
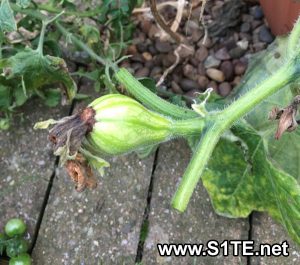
19,95
52,97
23,3
258,172
81,96
4,125
90,33
95,161
7,20
242,179
36,71
149,83
5,97
44,124
288,147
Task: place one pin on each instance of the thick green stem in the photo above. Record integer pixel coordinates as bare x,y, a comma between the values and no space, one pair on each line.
150,100
195,168
246,103
223,121
188,127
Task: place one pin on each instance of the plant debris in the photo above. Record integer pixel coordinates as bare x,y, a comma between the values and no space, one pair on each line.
81,173
286,116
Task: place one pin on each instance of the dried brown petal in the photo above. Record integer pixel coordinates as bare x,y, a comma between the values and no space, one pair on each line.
286,122
81,173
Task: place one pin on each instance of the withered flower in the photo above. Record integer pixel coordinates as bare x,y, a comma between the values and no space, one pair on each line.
286,117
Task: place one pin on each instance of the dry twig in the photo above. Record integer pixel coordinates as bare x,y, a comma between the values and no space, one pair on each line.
161,23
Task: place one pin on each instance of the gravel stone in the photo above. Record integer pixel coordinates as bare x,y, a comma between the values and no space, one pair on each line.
237,52
222,54
203,82
190,72
215,74
156,71
265,35
224,89
227,68
211,61
188,84
245,27
201,69
143,72
201,53
176,88
240,68
163,47
257,12
186,51
213,84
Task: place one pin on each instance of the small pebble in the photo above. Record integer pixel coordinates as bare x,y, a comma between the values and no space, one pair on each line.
245,27
255,24
190,72
147,56
224,89
207,43
193,93
188,84
163,47
247,18
237,52
142,47
152,50
240,68
213,85
153,31
136,66
211,61
137,58
132,49
197,35
257,12
259,46
222,54
201,53
142,72
156,71
168,59
202,82
243,44
186,51
230,44
193,61
215,74
265,35
176,88
236,81
145,25
201,69
227,68
149,64
190,27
